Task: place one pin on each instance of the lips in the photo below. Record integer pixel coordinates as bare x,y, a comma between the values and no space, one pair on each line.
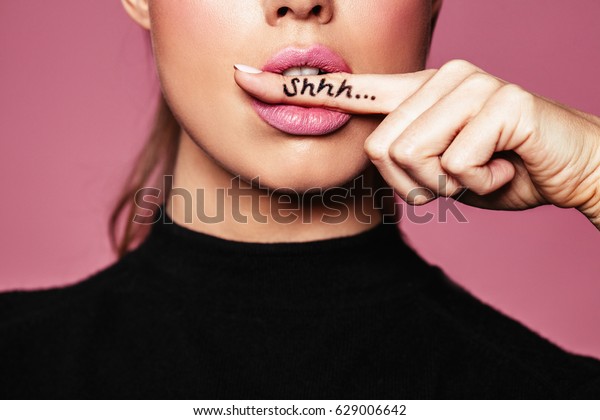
298,120
317,56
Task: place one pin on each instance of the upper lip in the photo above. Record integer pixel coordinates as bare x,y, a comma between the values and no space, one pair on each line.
317,56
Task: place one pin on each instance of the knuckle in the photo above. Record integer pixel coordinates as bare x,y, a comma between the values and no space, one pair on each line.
512,96
515,95
481,81
405,153
458,66
375,150
453,165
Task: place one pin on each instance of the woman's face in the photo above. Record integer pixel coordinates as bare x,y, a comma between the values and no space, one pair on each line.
197,42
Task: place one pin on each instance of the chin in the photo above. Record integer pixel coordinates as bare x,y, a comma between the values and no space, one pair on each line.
302,180
269,159
312,163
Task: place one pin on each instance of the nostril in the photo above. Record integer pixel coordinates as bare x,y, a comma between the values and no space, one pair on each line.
282,11
317,10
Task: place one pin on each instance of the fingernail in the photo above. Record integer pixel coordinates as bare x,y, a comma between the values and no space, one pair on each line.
247,69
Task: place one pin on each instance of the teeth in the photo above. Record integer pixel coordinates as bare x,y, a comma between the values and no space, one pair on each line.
302,71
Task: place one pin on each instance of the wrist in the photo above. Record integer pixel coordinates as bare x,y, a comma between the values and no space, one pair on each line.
591,204
591,198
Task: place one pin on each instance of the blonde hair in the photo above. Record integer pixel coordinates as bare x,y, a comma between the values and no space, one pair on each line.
156,159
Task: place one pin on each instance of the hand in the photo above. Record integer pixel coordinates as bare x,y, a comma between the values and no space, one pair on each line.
494,145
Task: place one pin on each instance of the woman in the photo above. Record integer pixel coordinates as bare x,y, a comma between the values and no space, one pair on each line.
274,271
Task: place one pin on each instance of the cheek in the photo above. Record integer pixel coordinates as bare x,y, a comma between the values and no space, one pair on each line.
184,38
193,43
201,33
392,35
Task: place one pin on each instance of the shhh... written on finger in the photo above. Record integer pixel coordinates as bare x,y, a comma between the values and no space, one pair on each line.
314,90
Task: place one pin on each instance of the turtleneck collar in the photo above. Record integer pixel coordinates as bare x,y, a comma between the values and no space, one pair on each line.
351,271
167,229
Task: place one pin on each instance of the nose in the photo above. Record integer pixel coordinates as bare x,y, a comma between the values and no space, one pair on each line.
277,11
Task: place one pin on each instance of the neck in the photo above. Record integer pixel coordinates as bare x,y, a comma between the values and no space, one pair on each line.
208,199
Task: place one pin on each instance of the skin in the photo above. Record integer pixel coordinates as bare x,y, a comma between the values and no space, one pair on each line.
423,124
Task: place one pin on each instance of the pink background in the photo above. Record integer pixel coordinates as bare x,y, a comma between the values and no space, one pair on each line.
78,86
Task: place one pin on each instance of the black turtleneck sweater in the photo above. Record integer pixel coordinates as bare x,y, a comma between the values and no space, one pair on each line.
192,316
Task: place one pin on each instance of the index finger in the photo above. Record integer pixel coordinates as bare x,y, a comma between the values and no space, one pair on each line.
345,92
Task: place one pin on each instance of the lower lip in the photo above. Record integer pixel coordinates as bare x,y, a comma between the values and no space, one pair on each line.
300,121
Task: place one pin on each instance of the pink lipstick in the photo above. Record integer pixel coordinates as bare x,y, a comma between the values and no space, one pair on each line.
298,120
